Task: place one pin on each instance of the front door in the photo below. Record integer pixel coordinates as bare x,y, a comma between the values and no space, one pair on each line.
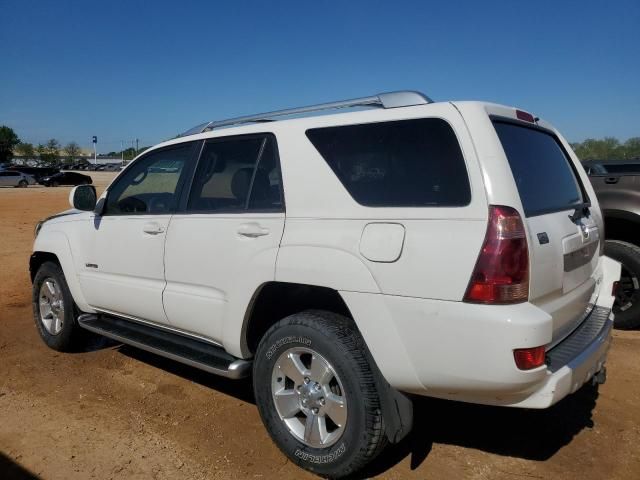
123,270
223,243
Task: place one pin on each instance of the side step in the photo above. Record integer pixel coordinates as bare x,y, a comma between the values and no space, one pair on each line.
171,345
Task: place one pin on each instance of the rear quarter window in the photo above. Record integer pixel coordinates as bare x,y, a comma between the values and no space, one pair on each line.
543,173
408,163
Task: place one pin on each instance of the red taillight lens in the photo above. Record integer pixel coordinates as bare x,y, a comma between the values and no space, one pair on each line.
528,358
501,274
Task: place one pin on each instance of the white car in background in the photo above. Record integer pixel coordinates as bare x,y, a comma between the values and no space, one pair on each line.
11,178
449,249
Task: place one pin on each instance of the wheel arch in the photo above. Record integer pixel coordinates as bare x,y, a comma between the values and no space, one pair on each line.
54,246
275,300
397,408
622,225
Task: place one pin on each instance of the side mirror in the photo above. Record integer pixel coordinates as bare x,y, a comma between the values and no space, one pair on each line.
83,197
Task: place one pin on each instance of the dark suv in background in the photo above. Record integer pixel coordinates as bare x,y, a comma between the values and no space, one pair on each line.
617,185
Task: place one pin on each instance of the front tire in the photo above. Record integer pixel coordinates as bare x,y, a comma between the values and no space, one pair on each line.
316,393
54,310
23,184
627,305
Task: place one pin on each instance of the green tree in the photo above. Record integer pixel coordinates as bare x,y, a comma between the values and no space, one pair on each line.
607,149
72,149
53,147
632,148
25,150
8,140
50,152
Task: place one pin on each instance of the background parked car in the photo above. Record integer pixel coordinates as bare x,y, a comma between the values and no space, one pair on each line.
617,186
112,167
36,172
9,178
66,178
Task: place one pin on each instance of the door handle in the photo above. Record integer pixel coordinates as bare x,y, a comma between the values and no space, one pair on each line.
611,179
152,228
252,230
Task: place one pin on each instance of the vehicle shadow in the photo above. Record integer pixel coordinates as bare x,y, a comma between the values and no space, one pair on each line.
94,342
528,434
240,389
10,470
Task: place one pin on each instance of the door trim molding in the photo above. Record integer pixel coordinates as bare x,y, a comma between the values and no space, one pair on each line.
158,326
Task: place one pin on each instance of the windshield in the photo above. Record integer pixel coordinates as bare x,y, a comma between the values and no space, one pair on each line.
545,179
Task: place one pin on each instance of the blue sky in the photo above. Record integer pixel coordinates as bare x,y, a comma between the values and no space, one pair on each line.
148,70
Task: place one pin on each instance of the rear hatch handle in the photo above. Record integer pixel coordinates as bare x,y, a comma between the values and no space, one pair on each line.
581,211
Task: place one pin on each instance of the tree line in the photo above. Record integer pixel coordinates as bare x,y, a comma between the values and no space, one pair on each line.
49,153
606,149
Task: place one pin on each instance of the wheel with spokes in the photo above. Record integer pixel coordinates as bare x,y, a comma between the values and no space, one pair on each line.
309,397
54,309
317,395
626,308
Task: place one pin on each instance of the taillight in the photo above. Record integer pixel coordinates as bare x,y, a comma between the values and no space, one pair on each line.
501,274
525,116
528,358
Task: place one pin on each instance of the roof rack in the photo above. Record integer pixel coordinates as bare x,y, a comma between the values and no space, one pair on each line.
404,98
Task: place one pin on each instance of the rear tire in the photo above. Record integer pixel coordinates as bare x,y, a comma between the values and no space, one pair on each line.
23,184
54,310
317,395
627,305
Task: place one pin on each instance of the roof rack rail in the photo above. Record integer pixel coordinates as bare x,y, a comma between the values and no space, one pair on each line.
404,98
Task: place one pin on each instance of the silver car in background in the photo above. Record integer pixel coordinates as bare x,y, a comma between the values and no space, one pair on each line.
10,178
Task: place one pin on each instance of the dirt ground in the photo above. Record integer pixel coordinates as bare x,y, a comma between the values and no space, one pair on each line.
114,412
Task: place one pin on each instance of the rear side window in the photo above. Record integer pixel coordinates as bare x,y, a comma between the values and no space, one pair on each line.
236,175
408,163
545,179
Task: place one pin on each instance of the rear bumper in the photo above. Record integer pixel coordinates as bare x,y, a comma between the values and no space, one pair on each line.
464,352
575,361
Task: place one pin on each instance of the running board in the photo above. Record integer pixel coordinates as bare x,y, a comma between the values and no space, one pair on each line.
186,350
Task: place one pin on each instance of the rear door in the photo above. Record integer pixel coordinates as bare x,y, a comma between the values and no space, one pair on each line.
223,242
563,236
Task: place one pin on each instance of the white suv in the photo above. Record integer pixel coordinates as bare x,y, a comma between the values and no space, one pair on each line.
348,260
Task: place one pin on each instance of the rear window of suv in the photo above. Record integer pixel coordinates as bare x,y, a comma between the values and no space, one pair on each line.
546,180
408,163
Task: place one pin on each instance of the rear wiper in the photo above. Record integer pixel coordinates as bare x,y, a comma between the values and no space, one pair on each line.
581,211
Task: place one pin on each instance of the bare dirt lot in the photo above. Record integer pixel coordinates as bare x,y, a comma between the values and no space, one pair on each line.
113,412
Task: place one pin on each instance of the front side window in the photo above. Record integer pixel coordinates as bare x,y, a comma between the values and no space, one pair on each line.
151,184
237,174
408,163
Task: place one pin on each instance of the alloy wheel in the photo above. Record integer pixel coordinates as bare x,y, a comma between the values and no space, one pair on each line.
51,305
309,397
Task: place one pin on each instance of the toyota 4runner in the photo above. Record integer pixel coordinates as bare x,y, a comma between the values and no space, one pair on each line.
345,261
